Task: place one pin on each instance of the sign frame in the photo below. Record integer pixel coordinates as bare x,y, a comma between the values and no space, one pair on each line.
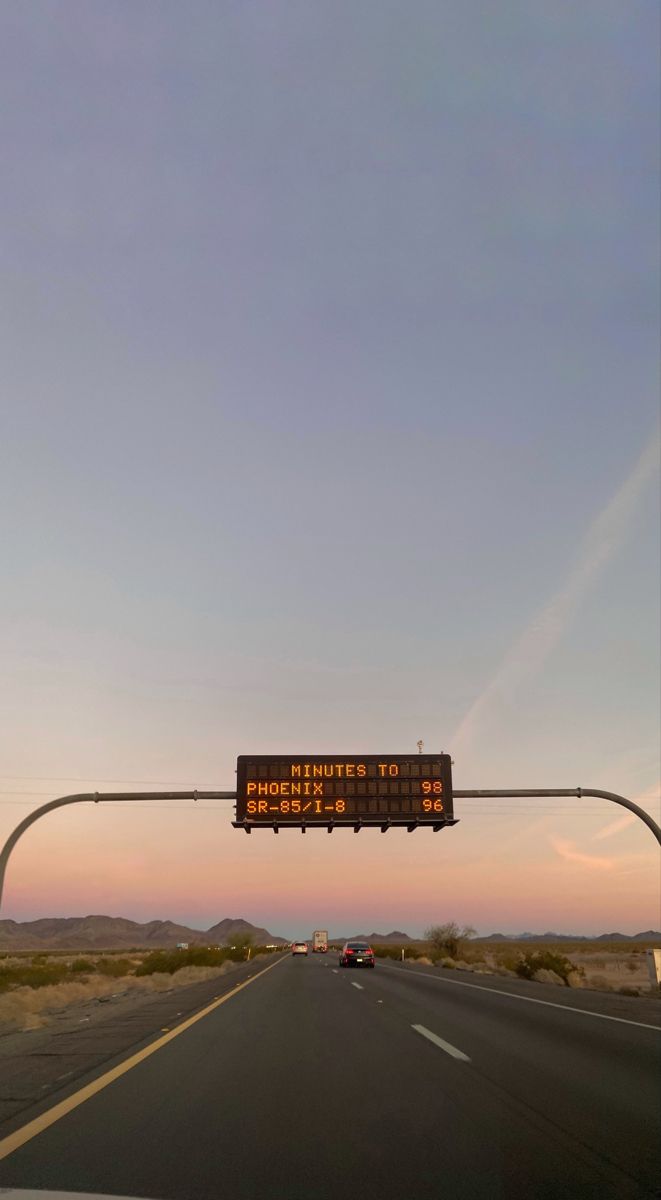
380,772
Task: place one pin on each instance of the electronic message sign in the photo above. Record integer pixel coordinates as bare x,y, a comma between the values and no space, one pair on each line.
344,789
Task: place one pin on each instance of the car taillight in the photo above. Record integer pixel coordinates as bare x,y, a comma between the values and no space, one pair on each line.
348,952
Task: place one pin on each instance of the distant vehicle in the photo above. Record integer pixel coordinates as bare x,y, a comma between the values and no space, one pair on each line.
356,954
299,948
182,945
320,941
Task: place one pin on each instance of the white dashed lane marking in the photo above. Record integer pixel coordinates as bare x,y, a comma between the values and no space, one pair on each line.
432,1037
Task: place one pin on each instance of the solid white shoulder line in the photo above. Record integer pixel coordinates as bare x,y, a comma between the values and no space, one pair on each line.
585,1012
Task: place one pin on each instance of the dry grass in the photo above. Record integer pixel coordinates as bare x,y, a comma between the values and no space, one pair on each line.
602,966
26,1008
546,976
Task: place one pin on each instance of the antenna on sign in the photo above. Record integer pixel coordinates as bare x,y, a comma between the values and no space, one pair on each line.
420,744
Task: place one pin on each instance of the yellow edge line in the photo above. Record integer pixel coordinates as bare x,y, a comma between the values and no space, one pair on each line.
15,1140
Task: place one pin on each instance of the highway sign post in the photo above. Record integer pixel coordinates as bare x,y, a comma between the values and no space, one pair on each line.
343,790
387,804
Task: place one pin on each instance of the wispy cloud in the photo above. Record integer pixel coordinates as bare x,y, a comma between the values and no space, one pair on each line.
615,827
606,535
567,850
648,800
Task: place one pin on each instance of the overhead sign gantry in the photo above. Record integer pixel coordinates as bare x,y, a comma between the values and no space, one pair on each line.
335,790
373,794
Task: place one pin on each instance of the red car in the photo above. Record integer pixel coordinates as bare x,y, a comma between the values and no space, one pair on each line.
356,954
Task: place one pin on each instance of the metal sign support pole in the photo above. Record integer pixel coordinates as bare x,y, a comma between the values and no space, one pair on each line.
580,792
95,798
124,797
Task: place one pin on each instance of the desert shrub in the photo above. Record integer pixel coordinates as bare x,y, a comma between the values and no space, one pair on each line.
33,976
161,962
80,965
508,960
473,960
628,991
543,975
167,962
533,961
437,955
238,951
114,967
449,938
389,950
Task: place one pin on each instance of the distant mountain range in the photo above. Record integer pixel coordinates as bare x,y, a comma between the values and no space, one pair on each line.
648,935
377,938
118,933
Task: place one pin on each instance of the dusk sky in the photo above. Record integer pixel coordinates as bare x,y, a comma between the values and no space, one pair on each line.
330,422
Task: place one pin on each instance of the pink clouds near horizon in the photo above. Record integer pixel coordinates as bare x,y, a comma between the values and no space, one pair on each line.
551,882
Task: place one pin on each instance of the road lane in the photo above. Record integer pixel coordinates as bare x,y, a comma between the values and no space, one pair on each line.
599,1080
81,1095
608,1006
302,1086
92,1036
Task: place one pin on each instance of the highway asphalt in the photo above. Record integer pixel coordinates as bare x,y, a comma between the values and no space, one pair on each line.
311,1083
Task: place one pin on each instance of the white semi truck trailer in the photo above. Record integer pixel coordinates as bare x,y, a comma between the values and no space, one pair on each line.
320,941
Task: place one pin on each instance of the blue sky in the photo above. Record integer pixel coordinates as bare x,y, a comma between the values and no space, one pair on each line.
329,420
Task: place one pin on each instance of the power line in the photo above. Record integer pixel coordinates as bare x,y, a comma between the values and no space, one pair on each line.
512,805
21,792
490,808
93,778
226,805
